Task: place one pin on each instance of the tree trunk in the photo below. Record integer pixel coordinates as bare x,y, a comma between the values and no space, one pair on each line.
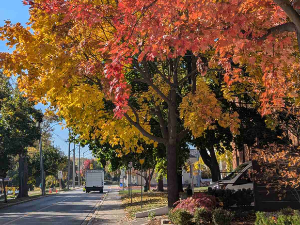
215,173
4,191
23,176
173,194
149,178
179,181
215,169
146,183
171,147
160,184
211,162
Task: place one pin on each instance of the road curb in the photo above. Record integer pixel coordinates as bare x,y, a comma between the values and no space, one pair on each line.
91,216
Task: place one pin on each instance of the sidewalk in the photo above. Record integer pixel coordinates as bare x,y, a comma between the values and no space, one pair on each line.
111,212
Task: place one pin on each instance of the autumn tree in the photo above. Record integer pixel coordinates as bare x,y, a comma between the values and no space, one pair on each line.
106,47
69,51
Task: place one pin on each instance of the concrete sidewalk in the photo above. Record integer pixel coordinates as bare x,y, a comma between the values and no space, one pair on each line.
111,212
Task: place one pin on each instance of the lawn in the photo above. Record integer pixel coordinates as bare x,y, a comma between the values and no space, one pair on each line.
151,200
125,192
200,189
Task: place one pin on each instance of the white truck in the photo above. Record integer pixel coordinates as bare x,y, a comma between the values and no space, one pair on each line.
94,180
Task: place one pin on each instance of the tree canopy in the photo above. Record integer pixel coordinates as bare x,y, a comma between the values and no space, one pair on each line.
111,68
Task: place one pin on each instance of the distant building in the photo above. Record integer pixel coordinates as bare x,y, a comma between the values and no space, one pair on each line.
187,178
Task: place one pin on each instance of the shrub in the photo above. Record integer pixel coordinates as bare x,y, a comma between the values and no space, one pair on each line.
287,211
226,196
230,197
199,200
222,217
262,219
180,217
202,216
278,218
241,215
244,197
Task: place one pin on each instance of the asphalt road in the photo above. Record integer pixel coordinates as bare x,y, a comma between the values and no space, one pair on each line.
64,208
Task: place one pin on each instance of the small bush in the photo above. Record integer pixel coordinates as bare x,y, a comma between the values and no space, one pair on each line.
262,219
244,197
278,218
287,211
180,217
230,197
202,216
199,200
225,196
222,217
241,214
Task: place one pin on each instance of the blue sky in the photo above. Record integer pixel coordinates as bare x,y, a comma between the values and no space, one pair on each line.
15,11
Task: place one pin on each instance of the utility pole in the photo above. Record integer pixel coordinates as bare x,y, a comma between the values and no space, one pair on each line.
41,161
69,156
74,172
79,175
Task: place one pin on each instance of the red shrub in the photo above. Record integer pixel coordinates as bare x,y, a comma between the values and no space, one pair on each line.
199,200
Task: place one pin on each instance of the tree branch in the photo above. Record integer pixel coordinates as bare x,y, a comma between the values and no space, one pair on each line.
286,27
162,75
144,132
290,11
182,134
141,175
148,81
187,77
163,126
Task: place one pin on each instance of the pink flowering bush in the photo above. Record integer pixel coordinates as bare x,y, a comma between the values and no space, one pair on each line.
199,200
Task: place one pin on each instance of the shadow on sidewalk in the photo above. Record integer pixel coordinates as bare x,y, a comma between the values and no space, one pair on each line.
111,212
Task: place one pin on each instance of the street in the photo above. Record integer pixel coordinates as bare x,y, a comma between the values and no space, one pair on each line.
70,207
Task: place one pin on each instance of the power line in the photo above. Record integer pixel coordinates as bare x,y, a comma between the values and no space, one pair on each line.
60,137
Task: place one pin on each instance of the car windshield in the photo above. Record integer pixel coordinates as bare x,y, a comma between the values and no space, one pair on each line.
235,172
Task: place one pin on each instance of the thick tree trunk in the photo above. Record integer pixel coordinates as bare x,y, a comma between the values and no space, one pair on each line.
212,163
4,191
179,180
215,169
215,173
23,176
160,184
173,194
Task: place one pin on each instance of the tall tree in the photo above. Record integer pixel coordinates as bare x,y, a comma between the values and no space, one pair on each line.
105,47
19,131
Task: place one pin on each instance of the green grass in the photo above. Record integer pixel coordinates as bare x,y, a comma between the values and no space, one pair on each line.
200,189
125,192
151,200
